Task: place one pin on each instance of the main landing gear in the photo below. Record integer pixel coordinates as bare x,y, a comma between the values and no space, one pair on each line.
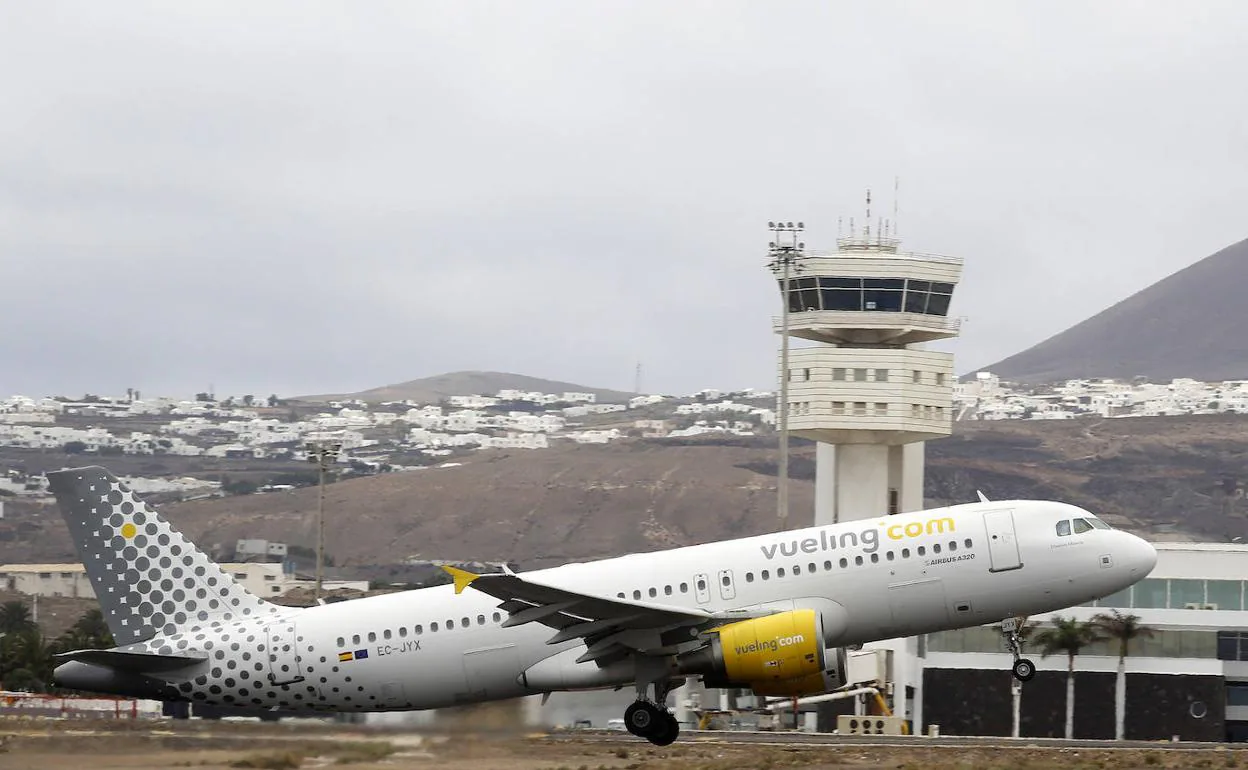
651,720
1023,669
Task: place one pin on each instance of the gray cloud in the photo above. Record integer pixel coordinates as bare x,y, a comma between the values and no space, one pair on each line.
319,196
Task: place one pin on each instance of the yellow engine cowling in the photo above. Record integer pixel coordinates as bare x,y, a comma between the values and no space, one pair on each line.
799,687
775,648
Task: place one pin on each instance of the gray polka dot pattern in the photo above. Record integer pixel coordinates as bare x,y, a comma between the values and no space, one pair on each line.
149,579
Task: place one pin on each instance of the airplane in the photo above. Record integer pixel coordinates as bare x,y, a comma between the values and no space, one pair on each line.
773,613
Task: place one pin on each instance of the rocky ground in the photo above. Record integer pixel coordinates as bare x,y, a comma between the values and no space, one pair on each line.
69,745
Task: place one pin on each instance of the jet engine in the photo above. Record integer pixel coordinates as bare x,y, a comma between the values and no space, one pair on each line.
777,654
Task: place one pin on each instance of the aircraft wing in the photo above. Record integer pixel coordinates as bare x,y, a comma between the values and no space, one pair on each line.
610,627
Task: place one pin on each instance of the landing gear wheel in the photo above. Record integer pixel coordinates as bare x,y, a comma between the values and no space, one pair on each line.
1024,670
643,718
665,730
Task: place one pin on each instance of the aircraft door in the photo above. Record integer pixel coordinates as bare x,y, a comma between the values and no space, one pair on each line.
701,588
283,653
491,672
1002,541
727,588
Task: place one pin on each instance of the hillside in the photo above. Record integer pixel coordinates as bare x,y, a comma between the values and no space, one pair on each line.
430,390
1162,477
1190,324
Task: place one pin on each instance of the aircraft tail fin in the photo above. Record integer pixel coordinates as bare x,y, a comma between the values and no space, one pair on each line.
148,578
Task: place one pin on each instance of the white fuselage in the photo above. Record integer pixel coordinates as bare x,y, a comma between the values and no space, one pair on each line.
875,579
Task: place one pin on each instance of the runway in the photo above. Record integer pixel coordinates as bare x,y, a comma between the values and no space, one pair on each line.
768,738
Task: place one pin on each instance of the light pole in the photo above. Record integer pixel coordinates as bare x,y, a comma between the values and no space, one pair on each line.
322,453
785,251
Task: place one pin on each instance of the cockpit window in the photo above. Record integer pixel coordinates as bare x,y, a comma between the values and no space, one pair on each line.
1063,528
1082,526
1098,523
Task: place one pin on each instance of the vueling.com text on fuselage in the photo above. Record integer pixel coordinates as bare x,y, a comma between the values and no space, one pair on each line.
868,539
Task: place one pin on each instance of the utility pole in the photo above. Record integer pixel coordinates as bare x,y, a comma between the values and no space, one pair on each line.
785,251
322,453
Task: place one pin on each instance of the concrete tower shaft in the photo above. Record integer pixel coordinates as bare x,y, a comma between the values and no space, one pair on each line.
866,390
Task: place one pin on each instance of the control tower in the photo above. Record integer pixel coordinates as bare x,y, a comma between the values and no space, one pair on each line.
867,391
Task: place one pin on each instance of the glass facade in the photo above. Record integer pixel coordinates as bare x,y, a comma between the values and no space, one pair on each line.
1177,594
887,295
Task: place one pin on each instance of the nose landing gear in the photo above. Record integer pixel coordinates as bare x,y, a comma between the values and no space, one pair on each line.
1023,669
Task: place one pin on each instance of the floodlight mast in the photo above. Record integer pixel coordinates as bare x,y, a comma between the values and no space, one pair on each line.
785,253
321,452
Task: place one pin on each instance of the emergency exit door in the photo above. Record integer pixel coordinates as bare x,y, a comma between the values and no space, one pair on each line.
1002,541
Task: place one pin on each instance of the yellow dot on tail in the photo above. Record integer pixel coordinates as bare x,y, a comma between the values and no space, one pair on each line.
128,530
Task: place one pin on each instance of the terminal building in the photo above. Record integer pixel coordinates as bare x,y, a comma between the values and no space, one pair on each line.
264,579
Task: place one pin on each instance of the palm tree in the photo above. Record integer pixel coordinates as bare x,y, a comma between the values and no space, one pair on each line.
1069,636
15,618
1124,628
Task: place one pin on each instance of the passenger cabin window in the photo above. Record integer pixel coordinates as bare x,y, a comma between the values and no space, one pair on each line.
355,639
1063,528
385,634
342,642
433,627
779,572
1082,526
667,590
684,588
418,629
701,584
749,577
844,563
765,575
636,594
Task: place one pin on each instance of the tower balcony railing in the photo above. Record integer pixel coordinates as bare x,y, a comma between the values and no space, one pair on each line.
856,247
868,319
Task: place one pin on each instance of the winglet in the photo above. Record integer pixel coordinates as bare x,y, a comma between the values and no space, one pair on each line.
462,577
982,497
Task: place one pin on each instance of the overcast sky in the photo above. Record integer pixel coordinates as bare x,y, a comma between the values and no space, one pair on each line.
308,196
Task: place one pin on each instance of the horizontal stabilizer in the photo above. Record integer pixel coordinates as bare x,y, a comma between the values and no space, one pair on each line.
132,661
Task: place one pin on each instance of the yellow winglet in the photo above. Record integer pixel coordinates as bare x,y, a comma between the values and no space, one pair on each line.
462,577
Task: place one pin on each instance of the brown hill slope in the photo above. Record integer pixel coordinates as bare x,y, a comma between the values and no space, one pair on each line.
541,508
432,389
1190,324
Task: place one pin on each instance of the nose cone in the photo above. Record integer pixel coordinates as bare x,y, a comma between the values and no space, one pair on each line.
1139,556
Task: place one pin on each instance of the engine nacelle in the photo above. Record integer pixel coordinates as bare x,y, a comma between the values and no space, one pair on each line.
831,678
771,649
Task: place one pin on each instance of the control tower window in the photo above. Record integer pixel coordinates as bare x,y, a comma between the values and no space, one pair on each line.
938,304
882,294
841,293
916,295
